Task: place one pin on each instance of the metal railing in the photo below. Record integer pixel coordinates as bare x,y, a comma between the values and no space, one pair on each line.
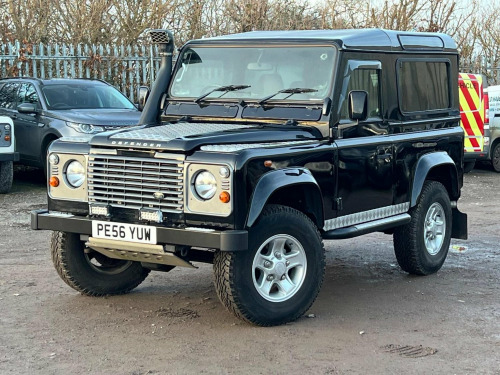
125,67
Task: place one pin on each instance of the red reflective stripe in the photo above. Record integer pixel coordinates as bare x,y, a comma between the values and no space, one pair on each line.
466,126
474,110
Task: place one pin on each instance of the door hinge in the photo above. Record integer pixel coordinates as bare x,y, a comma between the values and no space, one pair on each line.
337,204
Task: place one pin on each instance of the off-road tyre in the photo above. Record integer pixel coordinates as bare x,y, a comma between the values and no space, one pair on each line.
6,176
233,271
73,266
410,247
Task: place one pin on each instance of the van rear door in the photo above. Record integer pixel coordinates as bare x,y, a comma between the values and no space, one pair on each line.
472,112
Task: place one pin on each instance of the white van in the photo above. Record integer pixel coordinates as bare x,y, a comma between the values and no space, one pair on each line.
494,114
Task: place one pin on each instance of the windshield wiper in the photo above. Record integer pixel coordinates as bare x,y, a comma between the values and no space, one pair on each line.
224,89
295,90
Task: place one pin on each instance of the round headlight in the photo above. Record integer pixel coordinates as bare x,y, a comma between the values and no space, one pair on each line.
75,174
205,185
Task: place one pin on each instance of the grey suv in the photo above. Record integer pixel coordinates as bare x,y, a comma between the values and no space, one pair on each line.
45,110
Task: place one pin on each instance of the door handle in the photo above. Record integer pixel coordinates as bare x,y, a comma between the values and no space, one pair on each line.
13,117
385,157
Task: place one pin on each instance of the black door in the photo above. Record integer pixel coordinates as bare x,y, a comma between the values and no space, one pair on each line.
365,154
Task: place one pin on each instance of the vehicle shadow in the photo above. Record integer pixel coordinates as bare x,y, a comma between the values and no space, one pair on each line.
28,178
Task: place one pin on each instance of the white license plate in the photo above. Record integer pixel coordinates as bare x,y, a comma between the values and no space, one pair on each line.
124,232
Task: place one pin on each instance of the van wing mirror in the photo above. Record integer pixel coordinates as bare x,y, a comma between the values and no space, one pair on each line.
358,105
142,96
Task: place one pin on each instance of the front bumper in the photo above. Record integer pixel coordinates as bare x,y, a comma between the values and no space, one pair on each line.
11,156
227,240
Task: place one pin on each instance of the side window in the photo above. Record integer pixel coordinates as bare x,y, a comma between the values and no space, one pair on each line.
423,85
8,95
366,80
27,94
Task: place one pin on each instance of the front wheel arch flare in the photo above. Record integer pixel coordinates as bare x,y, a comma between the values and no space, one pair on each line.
274,181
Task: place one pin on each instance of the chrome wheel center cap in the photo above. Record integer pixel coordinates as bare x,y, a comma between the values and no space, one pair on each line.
280,268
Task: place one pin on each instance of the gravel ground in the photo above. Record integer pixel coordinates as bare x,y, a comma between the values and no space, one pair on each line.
370,317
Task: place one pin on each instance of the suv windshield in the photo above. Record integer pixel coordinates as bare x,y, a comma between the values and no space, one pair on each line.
265,70
84,96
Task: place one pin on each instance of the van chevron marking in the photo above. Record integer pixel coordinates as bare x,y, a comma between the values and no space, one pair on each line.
471,98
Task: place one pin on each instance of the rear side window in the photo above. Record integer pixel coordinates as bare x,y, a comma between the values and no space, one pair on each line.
27,94
423,85
8,95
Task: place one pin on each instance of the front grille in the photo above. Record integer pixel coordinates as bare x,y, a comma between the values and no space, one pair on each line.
130,182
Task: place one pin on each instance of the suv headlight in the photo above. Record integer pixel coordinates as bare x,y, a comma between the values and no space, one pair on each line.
75,174
67,175
85,128
208,189
205,185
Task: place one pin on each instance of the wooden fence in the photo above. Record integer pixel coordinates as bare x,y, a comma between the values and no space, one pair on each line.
125,67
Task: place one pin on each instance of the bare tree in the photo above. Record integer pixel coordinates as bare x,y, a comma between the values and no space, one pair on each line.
28,20
477,32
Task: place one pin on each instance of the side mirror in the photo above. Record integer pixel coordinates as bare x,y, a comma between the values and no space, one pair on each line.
27,108
358,105
142,95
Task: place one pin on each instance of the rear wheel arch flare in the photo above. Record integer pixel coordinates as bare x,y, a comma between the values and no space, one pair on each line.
436,166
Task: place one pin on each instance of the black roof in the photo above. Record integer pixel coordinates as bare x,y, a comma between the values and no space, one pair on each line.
353,39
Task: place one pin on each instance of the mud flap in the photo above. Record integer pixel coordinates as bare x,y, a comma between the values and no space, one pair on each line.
459,224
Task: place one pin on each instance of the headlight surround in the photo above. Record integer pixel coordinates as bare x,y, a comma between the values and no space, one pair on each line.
205,185
75,174
85,128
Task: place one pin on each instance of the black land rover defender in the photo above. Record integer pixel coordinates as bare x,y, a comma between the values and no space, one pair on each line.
254,149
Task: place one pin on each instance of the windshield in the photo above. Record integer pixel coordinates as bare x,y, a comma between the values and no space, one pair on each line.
265,70
78,96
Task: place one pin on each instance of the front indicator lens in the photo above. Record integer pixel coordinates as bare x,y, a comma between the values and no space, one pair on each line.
205,185
75,174
224,197
54,181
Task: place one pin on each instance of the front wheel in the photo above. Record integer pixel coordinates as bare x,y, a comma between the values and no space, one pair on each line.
90,272
278,278
495,158
421,246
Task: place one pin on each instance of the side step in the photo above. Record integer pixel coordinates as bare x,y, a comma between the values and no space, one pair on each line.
136,252
364,228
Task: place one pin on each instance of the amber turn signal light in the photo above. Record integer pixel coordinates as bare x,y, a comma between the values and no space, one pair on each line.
54,181
268,163
7,138
224,197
